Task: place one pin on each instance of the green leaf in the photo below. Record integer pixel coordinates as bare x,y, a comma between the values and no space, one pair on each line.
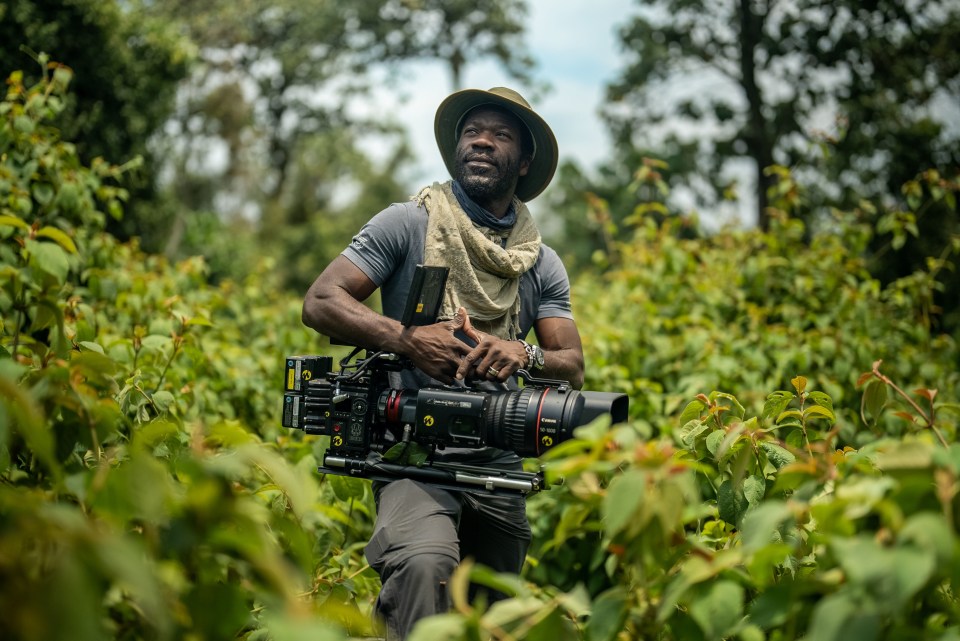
731,503
13,221
714,440
760,523
773,606
719,609
907,455
838,617
137,489
691,412
293,628
219,610
410,453
126,560
789,414
29,421
737,409
163,400
874,398
608,615
91,346
59,237
930,532
892,575
440,627
818,410
821,399
346,488
624,496
754,489
49,258
776,403
776,454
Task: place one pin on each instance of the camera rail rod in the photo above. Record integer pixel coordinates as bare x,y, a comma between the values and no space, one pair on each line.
450,476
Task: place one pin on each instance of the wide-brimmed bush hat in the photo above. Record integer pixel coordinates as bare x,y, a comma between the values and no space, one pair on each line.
450,113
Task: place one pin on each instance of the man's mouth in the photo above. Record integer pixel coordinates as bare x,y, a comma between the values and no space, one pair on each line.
481,161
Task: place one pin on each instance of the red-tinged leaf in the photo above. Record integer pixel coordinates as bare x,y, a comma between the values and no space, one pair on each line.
907,416
866,376
928,394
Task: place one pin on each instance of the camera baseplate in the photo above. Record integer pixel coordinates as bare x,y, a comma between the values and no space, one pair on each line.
449,476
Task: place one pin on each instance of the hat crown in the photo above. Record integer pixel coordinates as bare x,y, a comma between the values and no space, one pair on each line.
510,94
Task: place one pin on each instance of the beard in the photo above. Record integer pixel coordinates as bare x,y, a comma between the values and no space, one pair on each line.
491,183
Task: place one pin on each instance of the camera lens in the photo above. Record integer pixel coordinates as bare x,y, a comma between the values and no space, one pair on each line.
535,419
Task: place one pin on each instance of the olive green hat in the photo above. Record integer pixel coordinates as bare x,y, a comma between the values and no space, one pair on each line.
450,114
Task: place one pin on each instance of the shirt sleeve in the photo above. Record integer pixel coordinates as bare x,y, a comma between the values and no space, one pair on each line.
555,287
381,246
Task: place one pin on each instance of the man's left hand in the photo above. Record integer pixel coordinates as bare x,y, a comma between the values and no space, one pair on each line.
493,359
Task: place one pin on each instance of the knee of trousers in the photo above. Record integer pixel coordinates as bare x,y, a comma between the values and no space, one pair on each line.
422,568
415,587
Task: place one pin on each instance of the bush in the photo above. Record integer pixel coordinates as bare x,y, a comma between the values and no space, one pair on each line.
145,488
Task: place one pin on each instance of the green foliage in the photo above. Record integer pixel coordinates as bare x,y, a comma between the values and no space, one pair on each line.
125,72
725,529
709,82
272,125
145,489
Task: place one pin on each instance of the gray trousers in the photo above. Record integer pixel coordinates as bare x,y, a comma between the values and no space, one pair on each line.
421,534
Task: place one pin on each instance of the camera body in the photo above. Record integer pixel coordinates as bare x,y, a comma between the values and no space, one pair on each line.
363,415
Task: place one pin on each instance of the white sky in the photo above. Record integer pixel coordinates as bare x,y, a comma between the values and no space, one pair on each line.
575,46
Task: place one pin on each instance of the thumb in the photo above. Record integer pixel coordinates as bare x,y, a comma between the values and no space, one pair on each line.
464,323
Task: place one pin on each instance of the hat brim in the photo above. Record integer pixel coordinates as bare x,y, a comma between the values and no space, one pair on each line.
455,107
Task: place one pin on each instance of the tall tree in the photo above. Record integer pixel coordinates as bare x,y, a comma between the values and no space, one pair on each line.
125,71
456,33
709,84
277,78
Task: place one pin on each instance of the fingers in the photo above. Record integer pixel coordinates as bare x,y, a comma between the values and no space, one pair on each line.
492,359
467,326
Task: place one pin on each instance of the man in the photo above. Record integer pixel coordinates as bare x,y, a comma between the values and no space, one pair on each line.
503,281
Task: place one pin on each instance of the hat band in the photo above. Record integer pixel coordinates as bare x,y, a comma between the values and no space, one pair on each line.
533,139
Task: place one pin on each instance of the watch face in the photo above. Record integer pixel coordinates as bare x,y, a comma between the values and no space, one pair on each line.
538,357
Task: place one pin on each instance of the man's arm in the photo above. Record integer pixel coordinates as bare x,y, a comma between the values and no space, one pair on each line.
558,338
333,306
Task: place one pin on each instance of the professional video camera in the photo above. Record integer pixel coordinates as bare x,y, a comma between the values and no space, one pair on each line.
364,416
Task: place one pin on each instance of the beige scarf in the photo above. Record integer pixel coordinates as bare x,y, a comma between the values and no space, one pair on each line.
484,272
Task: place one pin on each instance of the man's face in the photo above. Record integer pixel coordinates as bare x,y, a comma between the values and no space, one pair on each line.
489,155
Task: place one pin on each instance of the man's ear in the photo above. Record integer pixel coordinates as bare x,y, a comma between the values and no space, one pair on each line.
525,165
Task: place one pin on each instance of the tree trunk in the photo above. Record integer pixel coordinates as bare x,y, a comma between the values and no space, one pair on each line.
757,132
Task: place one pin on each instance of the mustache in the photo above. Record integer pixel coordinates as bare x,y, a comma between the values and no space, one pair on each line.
481,157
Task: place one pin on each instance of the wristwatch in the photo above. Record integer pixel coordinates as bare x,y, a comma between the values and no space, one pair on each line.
534,356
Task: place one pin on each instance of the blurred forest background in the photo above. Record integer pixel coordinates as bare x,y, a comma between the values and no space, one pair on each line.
241,114
174,174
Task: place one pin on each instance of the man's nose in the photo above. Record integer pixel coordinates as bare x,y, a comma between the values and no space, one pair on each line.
483,139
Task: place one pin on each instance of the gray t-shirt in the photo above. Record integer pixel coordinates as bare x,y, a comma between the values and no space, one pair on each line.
388,249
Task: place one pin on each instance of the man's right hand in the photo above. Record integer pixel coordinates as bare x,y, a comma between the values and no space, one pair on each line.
435,350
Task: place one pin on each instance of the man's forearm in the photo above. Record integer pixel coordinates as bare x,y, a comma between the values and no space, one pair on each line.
342,317
563,364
